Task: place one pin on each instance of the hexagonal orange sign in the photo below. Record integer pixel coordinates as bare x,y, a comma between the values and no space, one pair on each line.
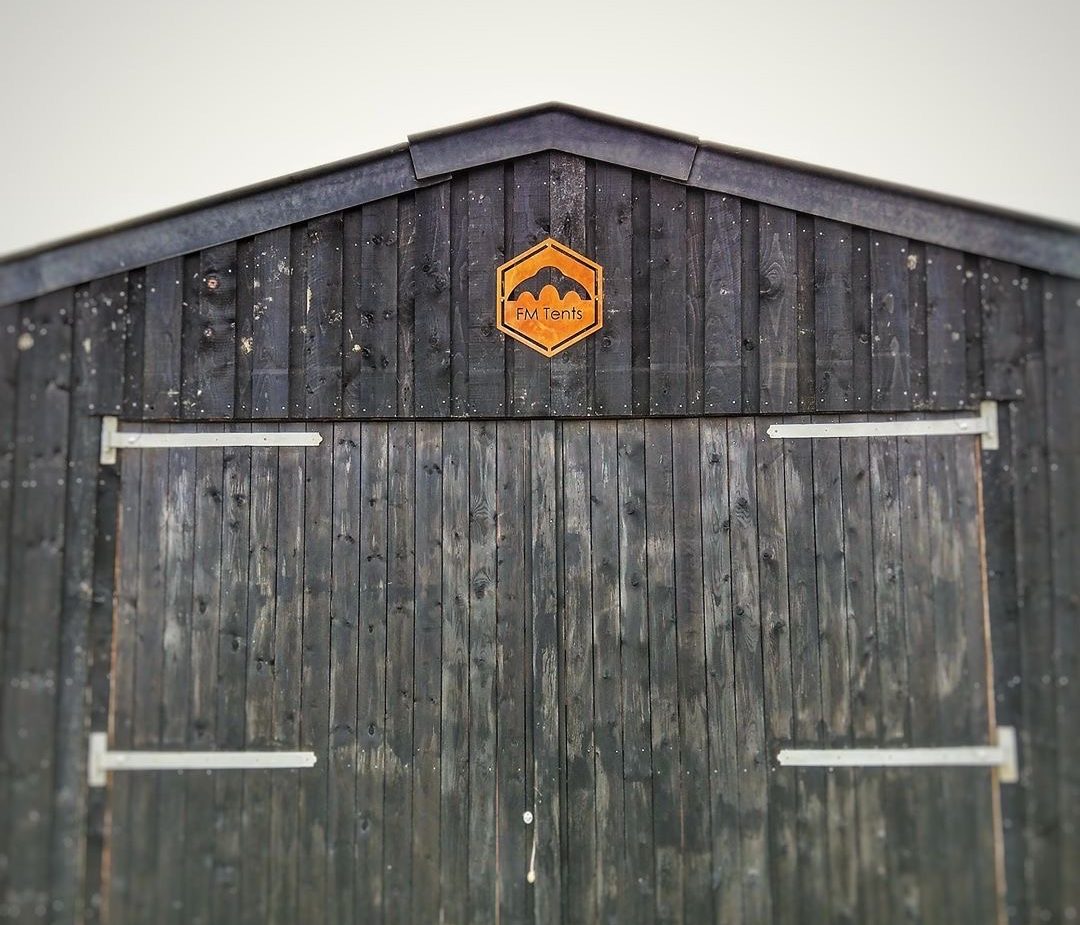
550,297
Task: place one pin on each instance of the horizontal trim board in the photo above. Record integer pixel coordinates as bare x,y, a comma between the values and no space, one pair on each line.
1030,243
602,138
1002,756
985,424
113,439
102,760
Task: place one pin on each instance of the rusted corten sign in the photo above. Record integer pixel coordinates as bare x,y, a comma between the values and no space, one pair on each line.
550,297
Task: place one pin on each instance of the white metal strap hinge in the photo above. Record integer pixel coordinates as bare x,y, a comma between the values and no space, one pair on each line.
101,760
985,424
113,439
1002,756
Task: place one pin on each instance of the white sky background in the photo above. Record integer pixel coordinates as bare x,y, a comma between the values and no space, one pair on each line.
116,108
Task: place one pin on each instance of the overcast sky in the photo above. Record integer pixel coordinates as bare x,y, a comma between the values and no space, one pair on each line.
117,108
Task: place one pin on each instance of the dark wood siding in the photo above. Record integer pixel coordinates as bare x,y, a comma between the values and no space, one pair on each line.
391,310
553,492
385,311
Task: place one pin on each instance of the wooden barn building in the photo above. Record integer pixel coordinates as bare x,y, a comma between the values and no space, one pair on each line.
553,519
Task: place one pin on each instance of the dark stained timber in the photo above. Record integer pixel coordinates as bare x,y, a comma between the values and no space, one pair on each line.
777,321
485,243
722,305
432,358
611,624
613,250
570,393
669,357
890,323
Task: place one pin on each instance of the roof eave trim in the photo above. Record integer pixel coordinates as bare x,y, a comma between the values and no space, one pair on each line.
571,131
217,223
1033,244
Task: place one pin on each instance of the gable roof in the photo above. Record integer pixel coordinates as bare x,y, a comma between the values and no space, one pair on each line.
433,156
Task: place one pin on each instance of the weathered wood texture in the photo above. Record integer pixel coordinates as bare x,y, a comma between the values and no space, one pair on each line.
387,310
401,603
716,306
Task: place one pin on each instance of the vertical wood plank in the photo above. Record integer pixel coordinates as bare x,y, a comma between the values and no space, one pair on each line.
640,291
751,294
639,878
834,321
269,348
117,861
400,618
134,343
865,673
427,672
806,378
199,835
693,731
606,631
406,304
663,672
243,332
836,632
916,279
321,314
145,825
344,677
723,348
371,672
748,677
259,684
695,301
528,224
947,577
893,672
454,735
431,374
161,339
459,296
777,324
214,367
232,645
485,242
776,654
483,512
512,858
812,854
946,370
720,663
371,310
613,250
569,370
862,376
1002,329
548,832
890,323
922,695
285,835
175,616
999,524
975,690
313,802
668,323
578,684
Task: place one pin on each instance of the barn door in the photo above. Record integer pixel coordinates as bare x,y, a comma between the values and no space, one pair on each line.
546,669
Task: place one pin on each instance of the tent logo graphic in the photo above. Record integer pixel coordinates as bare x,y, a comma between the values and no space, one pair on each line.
550,297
